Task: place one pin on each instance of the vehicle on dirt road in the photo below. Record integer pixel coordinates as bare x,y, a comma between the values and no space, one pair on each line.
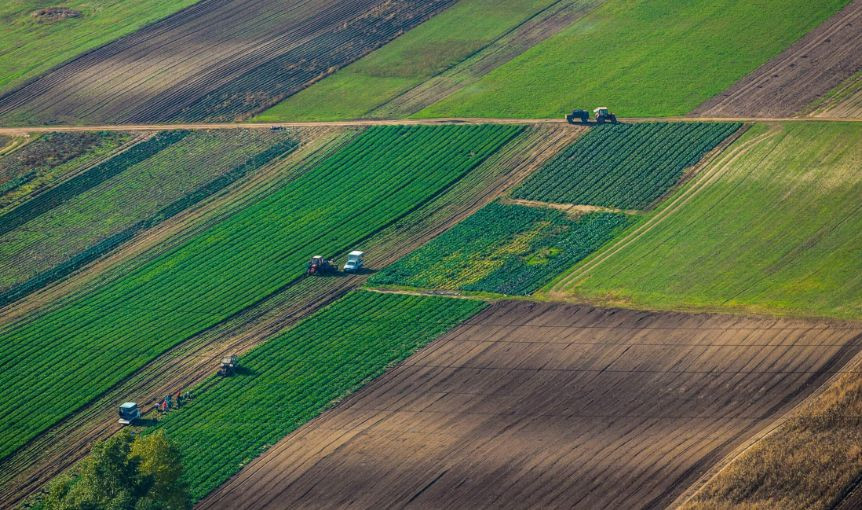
129,413
604,115
581,115
228,365
320,266
354,261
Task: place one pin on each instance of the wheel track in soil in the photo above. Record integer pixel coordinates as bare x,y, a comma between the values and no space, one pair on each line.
191,362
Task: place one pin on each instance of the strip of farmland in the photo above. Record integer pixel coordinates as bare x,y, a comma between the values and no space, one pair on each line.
626,166
507,249
144,193
549,406
181,367
249,256
787,84
218,59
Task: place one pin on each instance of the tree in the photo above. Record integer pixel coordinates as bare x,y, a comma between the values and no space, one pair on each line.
123,473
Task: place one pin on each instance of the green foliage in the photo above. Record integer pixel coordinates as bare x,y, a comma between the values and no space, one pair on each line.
47,159
31,47
294,377
509,249
640,57
771,227
123,473
382,175
626,166
90,178
113,241
412,58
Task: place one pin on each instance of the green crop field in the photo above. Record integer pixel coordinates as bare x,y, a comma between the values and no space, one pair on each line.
92,342
772,226
294,377
640,58
140,190
626,166
49,159
430,48
508,249
31,45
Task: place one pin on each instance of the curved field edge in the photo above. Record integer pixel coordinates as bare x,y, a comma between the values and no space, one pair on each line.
35,47
190,363
765,228
812,459
192,300
437,45
641,58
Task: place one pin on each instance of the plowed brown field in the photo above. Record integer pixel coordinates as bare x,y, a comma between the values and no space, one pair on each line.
219,59
810,68
550,406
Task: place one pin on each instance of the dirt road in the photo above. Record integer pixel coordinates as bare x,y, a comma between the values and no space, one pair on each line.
550,406
17,131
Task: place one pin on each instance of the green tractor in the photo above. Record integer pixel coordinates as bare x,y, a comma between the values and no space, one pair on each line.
604,115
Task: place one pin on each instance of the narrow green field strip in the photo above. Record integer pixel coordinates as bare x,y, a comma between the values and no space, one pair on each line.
642,58
504,249
382,175
296,376
421,53
50,158
624,166
31,45
770,227
94,176
112,241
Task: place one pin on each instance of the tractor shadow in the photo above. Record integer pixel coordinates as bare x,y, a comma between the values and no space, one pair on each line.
242,371
146,422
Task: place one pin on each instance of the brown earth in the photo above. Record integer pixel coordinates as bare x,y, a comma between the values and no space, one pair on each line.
215,60
550,406
843,101
191,362
810,68
52,14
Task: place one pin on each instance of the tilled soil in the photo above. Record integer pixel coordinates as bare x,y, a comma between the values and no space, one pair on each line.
550,406
216,60
813,66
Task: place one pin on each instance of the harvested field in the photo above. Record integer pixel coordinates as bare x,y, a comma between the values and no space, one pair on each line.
550,406
23,472
810,68
183,68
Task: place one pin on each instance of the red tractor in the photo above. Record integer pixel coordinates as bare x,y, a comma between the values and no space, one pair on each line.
320,266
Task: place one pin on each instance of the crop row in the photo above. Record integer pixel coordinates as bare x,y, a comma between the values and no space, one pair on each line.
111,242
627,166
62,234
294,377
60,360
509,249
48,159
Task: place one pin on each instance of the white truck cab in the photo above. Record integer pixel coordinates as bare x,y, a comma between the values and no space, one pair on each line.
354,262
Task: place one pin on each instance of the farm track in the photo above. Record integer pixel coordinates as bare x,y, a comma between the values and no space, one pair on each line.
192,361
17,131
550,406
179,67
810,68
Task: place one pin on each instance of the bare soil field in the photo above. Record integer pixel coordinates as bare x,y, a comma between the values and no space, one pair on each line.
844,101
190,363
216,60
550,406
810,68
